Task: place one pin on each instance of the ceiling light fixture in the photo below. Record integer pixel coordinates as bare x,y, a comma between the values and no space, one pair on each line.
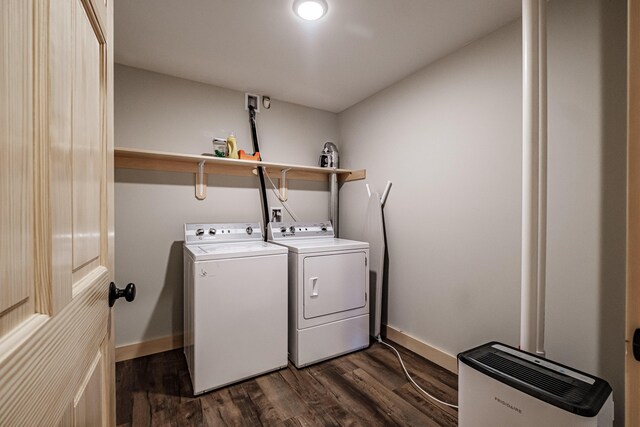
310,10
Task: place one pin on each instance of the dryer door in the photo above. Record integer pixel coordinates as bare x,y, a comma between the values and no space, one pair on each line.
334,283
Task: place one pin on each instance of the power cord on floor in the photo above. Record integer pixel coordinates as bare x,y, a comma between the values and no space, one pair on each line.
451,405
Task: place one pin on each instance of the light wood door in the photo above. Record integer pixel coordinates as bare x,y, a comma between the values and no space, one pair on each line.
632,366
56,212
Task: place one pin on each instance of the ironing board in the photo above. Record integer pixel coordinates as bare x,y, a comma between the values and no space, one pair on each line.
374,234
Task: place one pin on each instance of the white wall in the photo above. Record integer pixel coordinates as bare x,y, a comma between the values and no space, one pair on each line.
449,137
158,112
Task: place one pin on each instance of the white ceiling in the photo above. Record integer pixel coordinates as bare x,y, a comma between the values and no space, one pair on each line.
358,48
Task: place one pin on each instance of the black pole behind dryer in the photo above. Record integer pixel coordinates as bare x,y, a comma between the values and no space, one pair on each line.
263,189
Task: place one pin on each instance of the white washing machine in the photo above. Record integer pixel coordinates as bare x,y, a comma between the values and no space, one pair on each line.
328,291
235,304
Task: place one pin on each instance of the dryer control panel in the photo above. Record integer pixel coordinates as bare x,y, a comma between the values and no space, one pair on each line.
222,232
299,230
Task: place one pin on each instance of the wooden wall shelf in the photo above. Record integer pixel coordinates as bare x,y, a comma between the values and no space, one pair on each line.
128,158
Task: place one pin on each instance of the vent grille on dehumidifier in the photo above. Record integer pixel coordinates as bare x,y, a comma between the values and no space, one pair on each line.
520,381
570,391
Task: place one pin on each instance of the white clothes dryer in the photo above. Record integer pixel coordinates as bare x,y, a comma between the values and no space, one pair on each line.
328,291
235,304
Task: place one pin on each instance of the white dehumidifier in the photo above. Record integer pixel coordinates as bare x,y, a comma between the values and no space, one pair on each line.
499,385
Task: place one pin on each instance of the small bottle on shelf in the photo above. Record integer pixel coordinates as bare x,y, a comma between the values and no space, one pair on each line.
232,146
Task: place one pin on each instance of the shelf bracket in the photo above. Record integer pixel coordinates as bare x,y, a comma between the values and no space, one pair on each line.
283,185
201,182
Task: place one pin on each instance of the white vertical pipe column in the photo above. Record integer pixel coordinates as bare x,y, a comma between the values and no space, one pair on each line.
528,296
542,179
334,201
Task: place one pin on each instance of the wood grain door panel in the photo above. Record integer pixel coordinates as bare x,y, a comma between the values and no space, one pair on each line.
89,406
41,376
16,164
87,141
56,106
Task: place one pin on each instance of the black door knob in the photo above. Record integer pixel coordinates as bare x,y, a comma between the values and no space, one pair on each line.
129,293
636,344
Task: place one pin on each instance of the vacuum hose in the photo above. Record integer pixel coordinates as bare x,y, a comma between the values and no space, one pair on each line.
263,188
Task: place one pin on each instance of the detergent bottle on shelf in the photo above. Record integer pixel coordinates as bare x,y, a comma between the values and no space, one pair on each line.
232,146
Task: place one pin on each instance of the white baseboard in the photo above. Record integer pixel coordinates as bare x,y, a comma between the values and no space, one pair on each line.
435,355
146,348
425,350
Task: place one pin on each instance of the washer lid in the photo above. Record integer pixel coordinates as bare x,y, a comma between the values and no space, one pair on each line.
303,246
215,251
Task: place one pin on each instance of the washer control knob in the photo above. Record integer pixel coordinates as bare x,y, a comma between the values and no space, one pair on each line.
283,229
199,231
249,230
212,231
292,229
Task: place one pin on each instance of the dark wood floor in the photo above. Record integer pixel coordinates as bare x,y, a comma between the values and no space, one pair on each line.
366,388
